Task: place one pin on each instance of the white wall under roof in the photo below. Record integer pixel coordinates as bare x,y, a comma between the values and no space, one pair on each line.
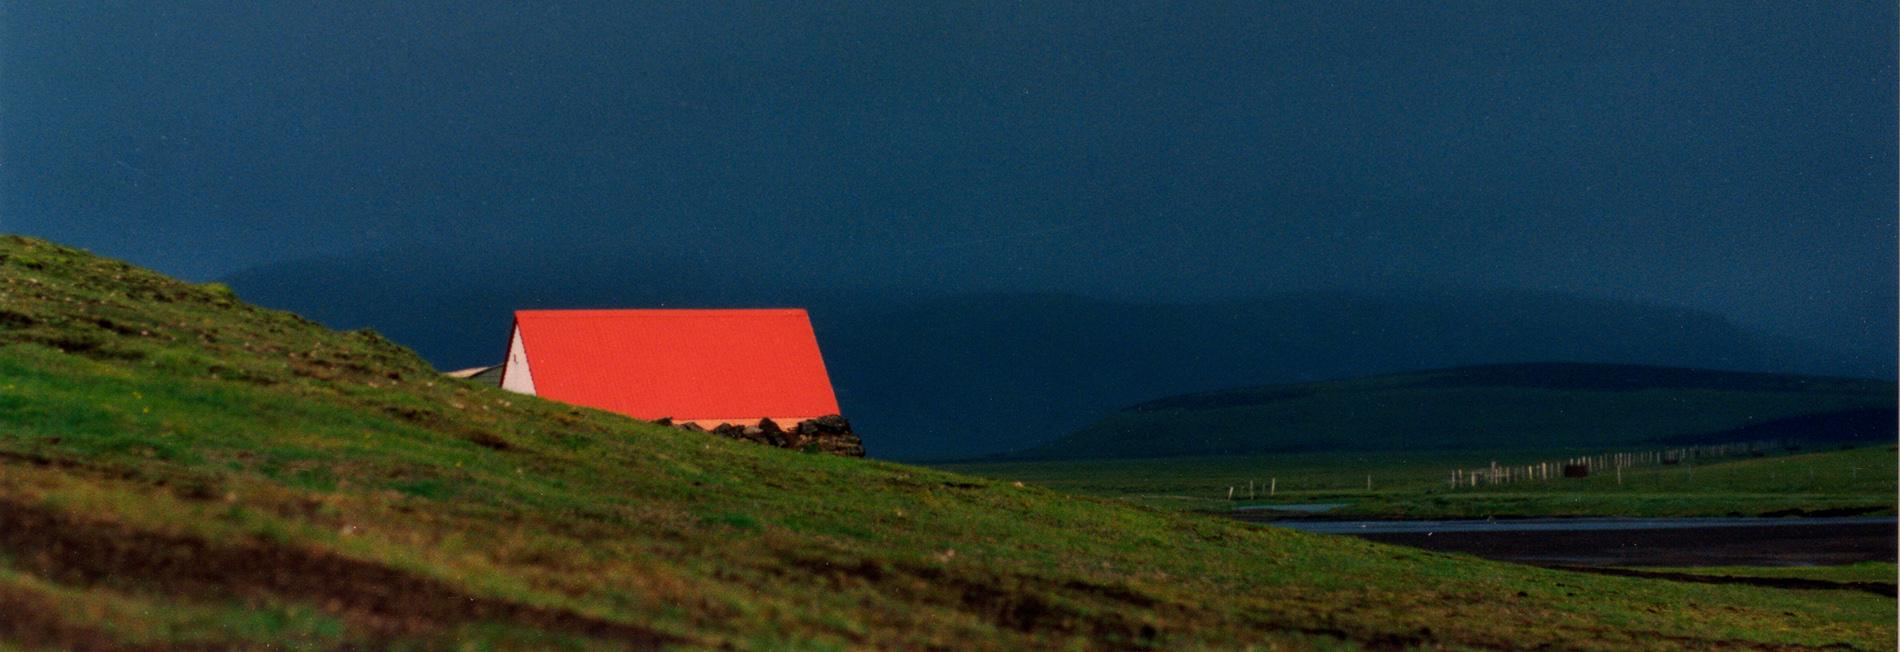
516,377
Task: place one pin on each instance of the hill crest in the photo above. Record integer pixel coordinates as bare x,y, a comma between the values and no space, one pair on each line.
1561,404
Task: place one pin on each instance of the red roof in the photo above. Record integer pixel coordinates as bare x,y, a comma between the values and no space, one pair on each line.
684,364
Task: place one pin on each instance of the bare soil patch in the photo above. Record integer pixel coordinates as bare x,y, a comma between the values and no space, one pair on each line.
373,598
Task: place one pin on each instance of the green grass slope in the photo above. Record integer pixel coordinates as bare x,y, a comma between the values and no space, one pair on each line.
179,470
1521,406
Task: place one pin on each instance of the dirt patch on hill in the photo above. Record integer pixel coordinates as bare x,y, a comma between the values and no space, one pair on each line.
1117,616
374,599
27,621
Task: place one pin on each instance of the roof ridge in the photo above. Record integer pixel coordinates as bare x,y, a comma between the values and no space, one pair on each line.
660,312
678,362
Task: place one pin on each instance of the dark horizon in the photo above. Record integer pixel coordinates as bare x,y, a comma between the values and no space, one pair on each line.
1718,178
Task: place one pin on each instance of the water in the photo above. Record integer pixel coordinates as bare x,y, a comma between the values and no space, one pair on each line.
1561,524
1635,541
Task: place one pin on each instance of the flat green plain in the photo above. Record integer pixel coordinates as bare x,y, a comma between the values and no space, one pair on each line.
1417,485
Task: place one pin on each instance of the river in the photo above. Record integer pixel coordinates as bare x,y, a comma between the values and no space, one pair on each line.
1635,541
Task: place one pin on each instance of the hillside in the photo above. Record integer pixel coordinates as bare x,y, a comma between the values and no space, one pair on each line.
179,470
985,370
1496,407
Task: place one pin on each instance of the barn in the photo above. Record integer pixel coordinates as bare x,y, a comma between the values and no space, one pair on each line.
705,367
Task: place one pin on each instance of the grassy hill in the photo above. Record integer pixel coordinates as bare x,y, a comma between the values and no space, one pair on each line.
1519,406
987,372
179,470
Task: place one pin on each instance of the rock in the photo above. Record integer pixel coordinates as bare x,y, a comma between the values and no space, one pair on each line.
663,421
829,424
827,434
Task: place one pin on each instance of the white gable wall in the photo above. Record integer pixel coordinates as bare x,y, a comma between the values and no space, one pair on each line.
516,377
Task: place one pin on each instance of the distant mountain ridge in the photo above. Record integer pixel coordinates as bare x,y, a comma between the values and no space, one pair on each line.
959,374
1540,405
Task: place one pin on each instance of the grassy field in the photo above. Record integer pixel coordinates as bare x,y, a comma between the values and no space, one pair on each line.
179,470
1415,485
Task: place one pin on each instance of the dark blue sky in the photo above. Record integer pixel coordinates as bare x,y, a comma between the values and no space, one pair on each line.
1737,157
